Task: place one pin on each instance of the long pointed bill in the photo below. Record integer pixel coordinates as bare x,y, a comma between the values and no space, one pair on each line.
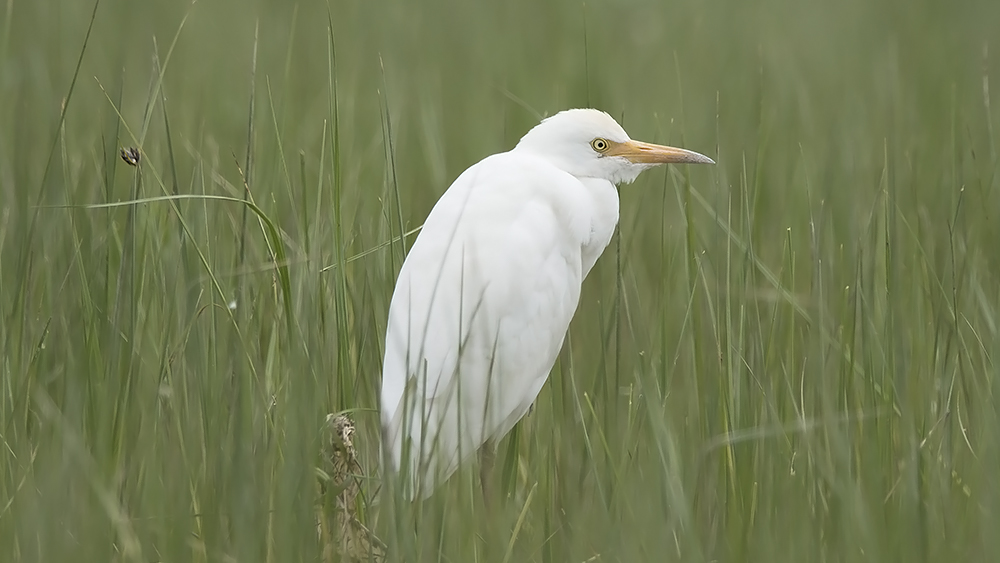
638,152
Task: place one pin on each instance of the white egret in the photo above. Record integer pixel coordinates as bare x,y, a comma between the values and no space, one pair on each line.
486,294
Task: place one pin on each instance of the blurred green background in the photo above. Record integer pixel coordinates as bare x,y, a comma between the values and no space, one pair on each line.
790,356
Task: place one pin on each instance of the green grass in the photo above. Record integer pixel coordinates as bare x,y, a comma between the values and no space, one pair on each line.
790,356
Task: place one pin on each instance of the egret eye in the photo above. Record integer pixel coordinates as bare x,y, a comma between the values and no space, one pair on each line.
600,145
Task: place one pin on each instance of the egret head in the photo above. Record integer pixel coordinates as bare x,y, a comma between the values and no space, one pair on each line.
589,143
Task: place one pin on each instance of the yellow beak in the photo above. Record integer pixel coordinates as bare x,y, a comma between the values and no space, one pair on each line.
638,152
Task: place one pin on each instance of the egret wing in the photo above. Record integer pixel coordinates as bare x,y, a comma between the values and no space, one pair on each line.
479,312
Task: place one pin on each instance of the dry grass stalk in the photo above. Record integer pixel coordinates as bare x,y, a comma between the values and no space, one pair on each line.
344,537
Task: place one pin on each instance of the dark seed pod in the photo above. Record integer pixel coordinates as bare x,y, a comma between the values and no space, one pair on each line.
131,156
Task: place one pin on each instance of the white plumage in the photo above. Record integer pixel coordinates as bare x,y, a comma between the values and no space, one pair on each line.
487,292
